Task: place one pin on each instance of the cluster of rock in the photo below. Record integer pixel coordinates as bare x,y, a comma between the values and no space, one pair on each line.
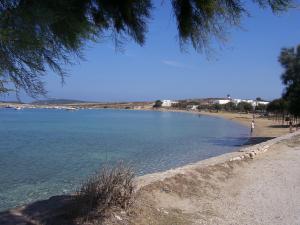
252,151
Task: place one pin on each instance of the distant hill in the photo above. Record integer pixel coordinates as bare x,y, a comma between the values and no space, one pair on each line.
57,101
16,102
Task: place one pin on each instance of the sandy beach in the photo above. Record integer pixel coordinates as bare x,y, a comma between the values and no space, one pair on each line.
149,112
259,184
264,127
235,188
264,189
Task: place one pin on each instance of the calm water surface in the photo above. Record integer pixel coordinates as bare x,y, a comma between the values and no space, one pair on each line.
50,152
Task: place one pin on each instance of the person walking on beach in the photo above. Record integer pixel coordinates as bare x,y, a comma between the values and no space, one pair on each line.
252,126
291,126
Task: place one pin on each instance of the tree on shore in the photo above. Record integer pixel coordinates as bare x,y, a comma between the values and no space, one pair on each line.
230,106
36,35
261,107
244,107
290,61
181,104
279,107
157,104
217,107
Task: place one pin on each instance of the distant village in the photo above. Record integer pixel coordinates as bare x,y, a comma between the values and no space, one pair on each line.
226,103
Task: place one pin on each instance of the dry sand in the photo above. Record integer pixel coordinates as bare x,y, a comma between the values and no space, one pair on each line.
264,127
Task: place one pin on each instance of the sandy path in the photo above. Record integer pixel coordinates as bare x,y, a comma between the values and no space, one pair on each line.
265,191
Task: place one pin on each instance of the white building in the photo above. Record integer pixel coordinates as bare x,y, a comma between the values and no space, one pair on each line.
237,101
221,101
256,103
168,103
192,107
252,102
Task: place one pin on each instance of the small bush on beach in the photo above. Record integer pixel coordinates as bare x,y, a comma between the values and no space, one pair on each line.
110,189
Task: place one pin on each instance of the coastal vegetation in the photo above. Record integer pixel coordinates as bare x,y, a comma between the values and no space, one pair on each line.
230,106
183,104
279,109
57,101
157,104
290,61
217,107
287,108
37,35
245,107
210,106
109,190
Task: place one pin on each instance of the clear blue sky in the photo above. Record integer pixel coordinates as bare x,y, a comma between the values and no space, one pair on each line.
245,67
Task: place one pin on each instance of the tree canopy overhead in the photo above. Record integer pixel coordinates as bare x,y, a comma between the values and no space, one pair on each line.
36,35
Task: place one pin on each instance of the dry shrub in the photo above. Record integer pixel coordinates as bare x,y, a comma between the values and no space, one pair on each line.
108,190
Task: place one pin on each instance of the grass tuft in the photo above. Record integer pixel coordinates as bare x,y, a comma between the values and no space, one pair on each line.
108,190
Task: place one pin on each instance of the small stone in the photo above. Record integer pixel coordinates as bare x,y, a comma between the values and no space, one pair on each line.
118,217
166,189
246,156
235,158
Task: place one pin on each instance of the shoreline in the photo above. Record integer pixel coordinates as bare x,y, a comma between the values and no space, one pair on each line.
228,189
264,127
157,184
259,142
241,154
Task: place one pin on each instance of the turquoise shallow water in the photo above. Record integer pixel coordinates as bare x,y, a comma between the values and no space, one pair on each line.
50,152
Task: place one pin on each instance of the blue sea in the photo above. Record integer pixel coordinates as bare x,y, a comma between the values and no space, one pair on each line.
45,152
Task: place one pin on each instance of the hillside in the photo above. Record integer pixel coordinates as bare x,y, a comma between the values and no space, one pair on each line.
56,102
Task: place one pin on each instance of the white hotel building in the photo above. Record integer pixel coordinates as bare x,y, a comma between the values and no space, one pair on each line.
168,103
237,101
